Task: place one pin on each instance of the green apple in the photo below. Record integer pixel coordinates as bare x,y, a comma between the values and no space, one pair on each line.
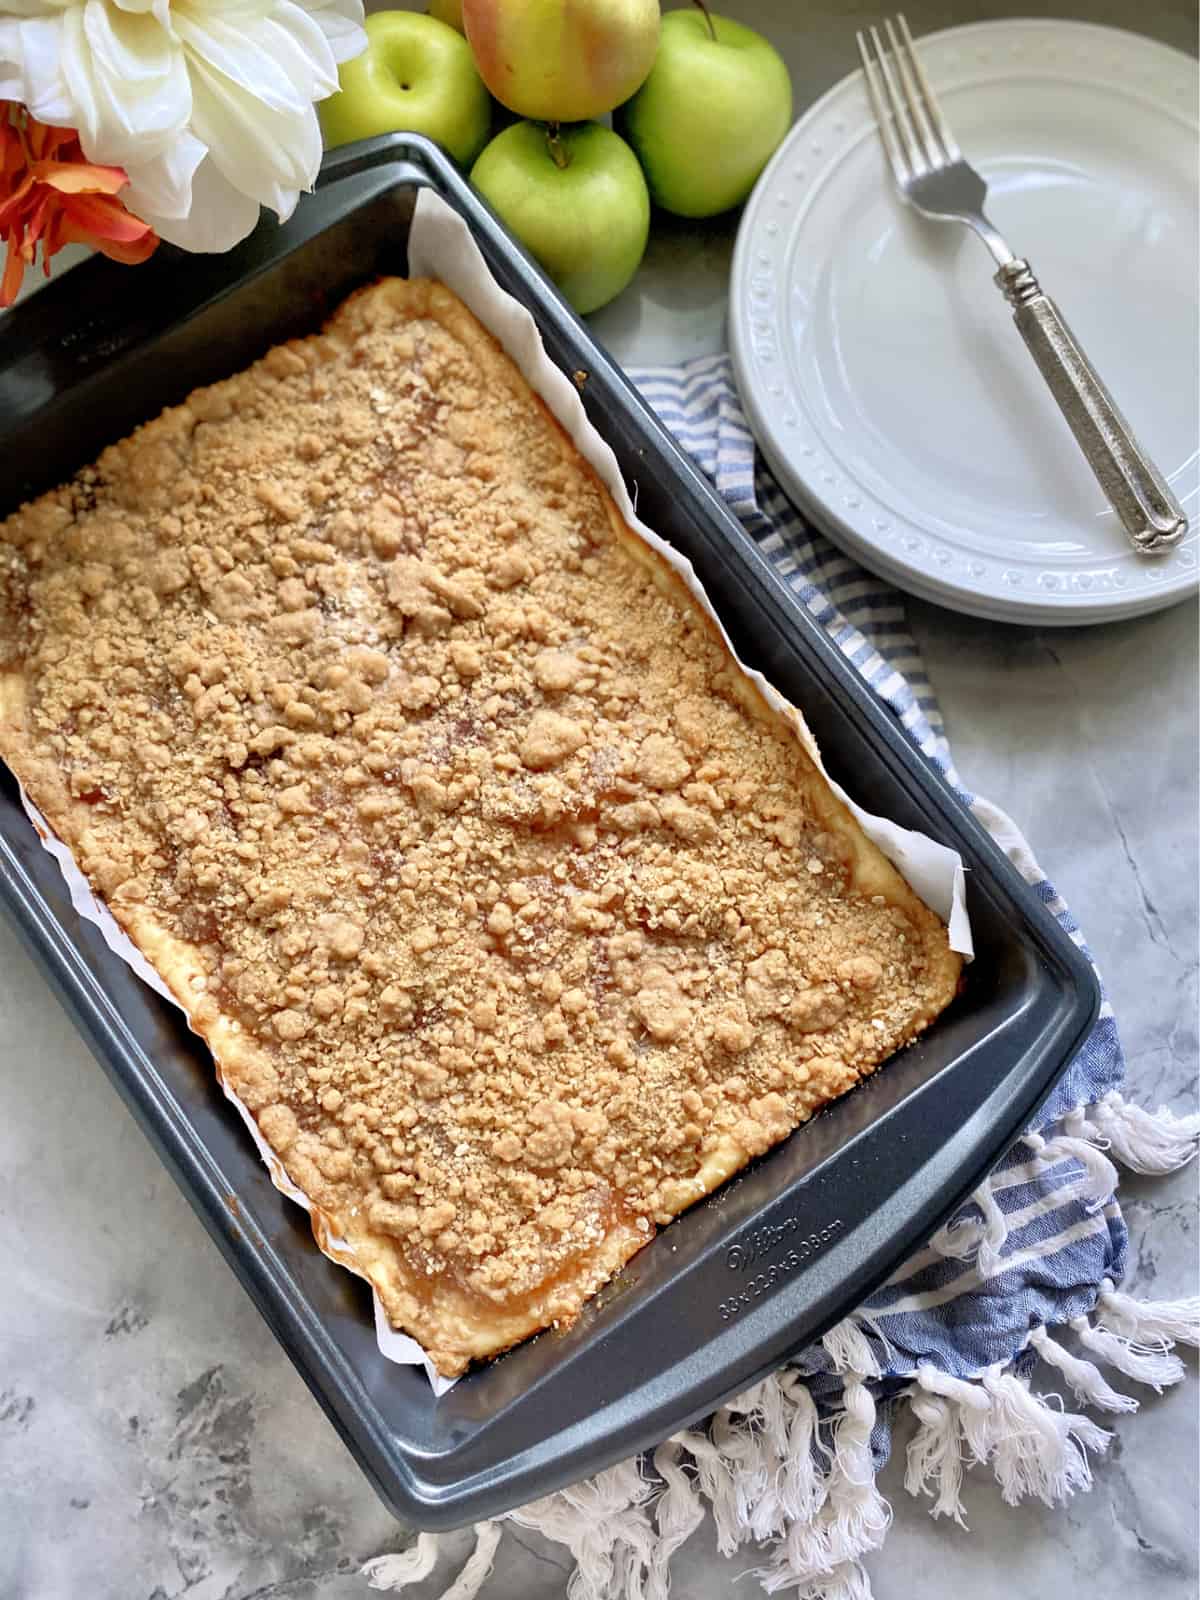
448,11
578,204
562,60
705,122
416,75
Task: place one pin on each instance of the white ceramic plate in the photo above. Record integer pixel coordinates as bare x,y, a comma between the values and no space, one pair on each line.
878,364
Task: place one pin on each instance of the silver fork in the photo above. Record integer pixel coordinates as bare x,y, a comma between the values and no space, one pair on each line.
933,176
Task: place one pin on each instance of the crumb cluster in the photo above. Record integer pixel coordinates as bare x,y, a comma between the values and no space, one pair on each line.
345,675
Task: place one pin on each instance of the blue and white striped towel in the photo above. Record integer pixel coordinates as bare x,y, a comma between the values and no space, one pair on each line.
958,1330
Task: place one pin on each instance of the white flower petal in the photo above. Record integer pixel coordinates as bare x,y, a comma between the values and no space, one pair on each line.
246,9
220,214
141,81
31,8
31,50
129,45
140,95
241,54
261,150
77,73
160,8
296,41
162,187
341,21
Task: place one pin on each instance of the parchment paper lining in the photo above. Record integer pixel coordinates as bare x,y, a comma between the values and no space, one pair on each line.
440,246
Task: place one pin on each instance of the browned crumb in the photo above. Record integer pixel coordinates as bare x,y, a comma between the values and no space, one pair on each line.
510,911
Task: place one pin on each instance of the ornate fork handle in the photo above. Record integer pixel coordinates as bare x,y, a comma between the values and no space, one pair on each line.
932,174
1136,490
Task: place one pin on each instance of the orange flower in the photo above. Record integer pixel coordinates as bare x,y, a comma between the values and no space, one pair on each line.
52,196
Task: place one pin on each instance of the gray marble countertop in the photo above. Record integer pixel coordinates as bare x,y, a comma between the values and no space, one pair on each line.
154,1441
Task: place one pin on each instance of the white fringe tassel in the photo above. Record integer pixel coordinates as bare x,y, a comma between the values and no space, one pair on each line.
935,1456
858,1514
408,1567
848,1347
1036,1449
1086,1380
412,1566
770,1471
679,1511
818,1557
970,1410
605,1525
1151,1365
1152,1142
1136,1336
1033,1447
802,1479
1163,1322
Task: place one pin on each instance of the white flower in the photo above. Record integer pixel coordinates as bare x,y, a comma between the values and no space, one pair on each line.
207,104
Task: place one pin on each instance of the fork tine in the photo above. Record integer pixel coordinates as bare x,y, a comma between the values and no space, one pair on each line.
900,118
887,133
912,97
942,127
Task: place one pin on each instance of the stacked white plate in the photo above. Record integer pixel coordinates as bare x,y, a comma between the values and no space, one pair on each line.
878,364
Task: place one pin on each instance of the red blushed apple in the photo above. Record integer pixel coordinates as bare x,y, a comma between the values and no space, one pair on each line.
562,60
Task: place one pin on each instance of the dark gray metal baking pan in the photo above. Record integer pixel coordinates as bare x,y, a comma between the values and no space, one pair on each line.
777,1255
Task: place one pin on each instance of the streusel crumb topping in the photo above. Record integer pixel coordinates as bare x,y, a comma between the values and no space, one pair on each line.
524,911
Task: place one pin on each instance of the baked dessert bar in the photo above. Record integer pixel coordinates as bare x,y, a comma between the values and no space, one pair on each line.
506,904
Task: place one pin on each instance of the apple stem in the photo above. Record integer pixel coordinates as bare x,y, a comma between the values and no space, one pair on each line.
558,149
712,32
